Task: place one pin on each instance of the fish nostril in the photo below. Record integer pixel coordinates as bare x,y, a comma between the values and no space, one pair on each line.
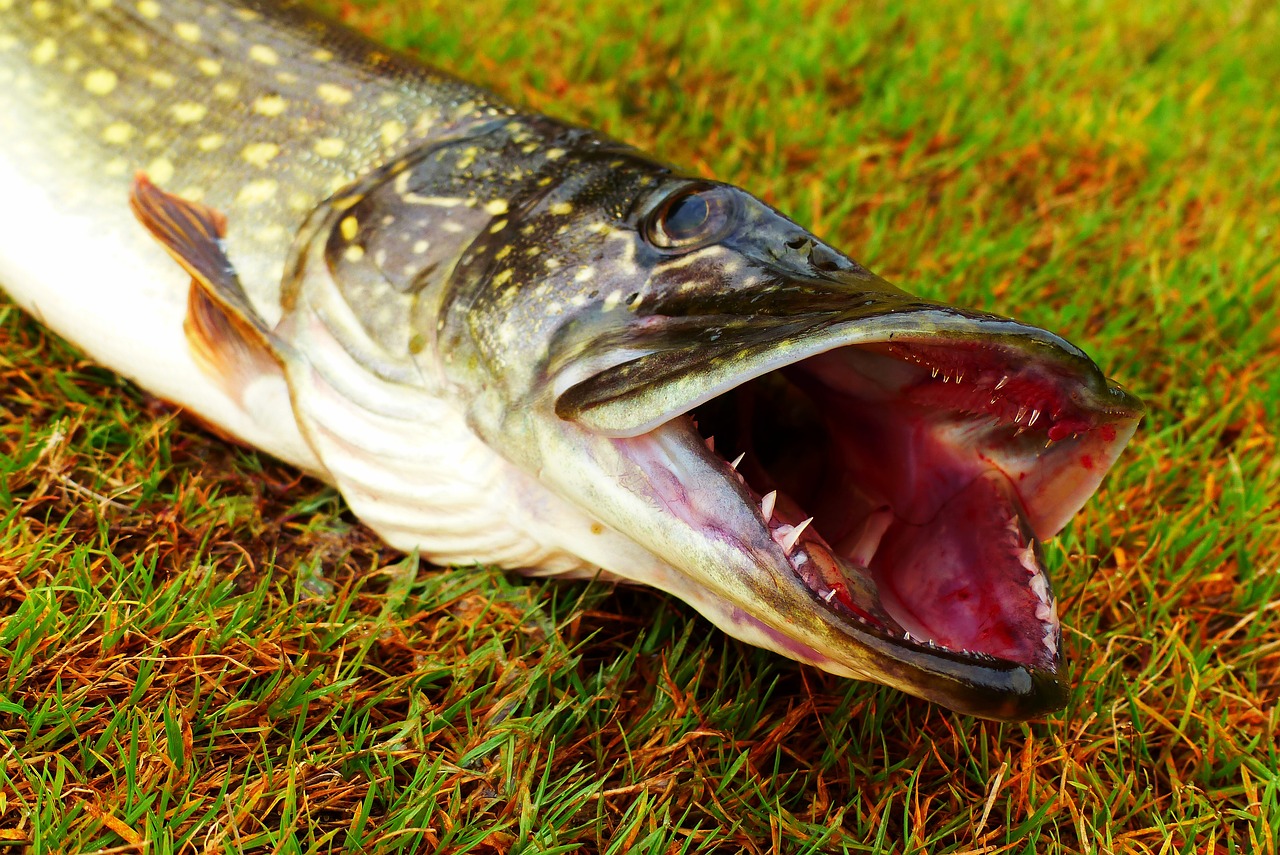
825,259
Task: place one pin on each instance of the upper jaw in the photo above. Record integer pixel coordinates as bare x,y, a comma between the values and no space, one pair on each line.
849,608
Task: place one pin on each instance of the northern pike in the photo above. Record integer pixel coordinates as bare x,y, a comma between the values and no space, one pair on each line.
511,341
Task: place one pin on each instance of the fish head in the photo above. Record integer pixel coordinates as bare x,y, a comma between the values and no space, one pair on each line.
822,463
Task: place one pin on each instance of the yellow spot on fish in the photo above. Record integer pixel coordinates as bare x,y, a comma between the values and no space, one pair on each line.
585,274
100,81
388,99
44,52
611,302
162,79
322,55
187,32
149,8
503,277
354,253
192,193
117,133
329,147
6,5
42,9
561,208
392,132
160,171
288,78
496,206
497,227
350,227
83,117
260,154
227,89
257,192
269,105
502,253
210,142
209,67
555,153
421,246
264,55
187,112
336,95
117,166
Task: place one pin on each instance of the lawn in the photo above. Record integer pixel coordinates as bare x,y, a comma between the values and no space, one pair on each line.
203,650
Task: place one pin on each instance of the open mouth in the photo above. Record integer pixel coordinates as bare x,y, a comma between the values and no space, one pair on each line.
907,484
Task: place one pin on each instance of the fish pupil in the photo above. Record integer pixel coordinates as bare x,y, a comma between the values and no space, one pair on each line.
687,216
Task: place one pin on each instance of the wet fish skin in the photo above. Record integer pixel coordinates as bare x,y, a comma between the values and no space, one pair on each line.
473,320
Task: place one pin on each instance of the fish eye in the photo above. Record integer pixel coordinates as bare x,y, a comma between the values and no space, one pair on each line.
691,217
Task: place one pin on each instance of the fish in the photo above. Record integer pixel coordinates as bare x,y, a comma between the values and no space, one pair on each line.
508,340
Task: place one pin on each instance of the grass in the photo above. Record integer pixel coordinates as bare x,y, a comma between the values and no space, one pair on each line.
202,651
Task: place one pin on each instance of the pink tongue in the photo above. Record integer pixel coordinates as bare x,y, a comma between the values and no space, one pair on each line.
962,579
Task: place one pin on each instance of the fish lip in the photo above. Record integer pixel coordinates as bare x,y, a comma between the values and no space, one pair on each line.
968,683
974,683
606,395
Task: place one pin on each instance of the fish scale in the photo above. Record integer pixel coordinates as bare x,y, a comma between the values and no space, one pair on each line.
491,329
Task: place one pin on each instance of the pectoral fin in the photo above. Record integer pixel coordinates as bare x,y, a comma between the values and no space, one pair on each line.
229,340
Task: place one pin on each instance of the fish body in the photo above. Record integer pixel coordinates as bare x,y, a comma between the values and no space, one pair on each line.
509,340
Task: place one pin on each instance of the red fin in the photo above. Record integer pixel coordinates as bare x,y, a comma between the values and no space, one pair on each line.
228,339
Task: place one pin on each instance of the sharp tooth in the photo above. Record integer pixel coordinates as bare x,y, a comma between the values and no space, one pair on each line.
1044,612
711,444
1035,417
766,504
869,541
829,596
1003,380
1027,557
959,376
1022,411
736,461
934,372
1040,587
789,539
